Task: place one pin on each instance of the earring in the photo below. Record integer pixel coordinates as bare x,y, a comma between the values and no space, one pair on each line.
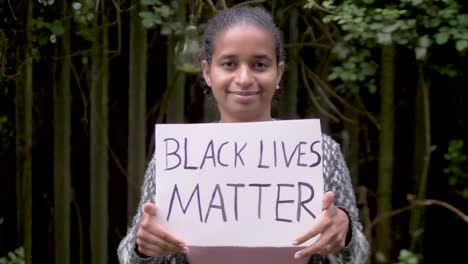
277,87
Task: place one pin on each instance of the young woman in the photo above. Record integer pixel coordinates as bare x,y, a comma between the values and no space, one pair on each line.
242,61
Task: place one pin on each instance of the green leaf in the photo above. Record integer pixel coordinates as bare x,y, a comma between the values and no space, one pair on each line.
20,251
309,5
461,45
424,41
146,14
420,53
57,28
332,76
372,88
165,11
463,19
391,28
441,38
150,2
384,38
147,23
465,193
166,30
416,2
43,38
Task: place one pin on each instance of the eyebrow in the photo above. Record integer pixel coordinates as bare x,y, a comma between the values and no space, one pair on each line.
232,56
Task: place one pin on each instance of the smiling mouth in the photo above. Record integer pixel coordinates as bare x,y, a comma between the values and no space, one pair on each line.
244,93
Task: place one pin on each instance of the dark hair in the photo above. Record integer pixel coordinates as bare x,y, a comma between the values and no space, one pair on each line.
234,16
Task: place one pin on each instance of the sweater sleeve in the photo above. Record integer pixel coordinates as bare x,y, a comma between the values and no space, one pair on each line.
126,250
337,179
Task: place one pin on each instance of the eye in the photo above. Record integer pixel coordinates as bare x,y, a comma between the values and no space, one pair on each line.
260,66
228,65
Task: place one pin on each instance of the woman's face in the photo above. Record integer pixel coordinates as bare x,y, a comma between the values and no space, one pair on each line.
243,74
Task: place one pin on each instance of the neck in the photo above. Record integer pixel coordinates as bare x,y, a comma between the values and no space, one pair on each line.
234,119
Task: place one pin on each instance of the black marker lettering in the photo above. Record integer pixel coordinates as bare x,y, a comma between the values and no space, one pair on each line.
275,154
300,153
286,159
260,165
219,154
235,185
216,190
184,209
237,154
319,158
186,158
260,186
300,202
209,148
172,153
278,201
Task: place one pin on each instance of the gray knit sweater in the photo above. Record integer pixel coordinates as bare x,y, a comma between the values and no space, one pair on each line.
336,179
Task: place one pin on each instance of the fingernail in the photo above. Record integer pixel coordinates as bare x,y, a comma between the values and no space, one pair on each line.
297,255
181,244
295,243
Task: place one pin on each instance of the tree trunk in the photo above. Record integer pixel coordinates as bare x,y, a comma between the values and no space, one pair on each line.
386,151
24,131
288,101
351,143
136,109
175,109
422,155
62,151
99,141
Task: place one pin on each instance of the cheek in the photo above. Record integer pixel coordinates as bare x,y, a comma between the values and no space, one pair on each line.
268,82
219,80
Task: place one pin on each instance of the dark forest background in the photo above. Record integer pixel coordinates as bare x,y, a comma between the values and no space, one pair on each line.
82,84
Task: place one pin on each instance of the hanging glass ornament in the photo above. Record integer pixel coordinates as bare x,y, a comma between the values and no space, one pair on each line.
187,51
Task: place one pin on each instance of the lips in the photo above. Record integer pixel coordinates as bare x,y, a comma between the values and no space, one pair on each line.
244,93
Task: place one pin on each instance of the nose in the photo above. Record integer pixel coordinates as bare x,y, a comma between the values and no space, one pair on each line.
244,77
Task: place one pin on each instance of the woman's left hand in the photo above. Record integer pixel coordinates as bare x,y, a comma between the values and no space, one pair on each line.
332,225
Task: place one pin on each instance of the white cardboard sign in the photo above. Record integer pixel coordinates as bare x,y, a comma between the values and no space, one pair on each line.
256,184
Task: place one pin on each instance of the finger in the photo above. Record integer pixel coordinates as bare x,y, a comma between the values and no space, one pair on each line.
327,200
169,238
155,229
149,209
150,232
320,246
153,250
317,228
157,248
148,241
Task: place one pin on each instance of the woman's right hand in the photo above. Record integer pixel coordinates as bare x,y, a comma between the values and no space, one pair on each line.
152,239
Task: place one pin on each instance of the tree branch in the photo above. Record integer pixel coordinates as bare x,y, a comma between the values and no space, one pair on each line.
213,7
313,97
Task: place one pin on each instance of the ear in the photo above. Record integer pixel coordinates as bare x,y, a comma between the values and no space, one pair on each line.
279,74
206,72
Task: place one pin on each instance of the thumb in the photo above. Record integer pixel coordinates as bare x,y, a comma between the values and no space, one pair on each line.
150,209
327,200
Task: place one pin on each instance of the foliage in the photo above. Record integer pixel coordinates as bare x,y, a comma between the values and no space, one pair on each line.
16,257
160,15
457,168
47,31
84,15
407,257
413,24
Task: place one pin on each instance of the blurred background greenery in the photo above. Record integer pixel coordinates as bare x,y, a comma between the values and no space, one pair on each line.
83,82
